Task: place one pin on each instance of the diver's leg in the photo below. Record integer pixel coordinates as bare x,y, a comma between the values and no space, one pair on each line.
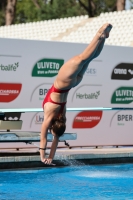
74,66
97,53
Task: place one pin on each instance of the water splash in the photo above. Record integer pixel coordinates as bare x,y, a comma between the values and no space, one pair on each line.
74,165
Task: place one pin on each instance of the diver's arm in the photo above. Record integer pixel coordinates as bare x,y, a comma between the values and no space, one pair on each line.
48,116
43,140
53,150
53,147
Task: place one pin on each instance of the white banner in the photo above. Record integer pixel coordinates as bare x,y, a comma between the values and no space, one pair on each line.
28,69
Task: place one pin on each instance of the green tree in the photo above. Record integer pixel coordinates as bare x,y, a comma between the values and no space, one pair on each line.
27,11
95,7
61,9
22,11
10,11
31,10
131,2
2,12
7,11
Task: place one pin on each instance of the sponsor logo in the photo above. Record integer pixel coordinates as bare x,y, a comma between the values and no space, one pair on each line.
125,117
81,92
47,67
37,119
91,72
9,91
123,71
40,92
122,95
87,119
122,118
10,67
88,96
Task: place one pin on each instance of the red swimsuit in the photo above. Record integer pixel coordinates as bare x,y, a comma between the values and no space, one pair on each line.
48,99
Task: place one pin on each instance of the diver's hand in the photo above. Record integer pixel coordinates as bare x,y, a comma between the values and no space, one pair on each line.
47,161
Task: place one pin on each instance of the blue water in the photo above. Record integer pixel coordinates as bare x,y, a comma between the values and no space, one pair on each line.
69,183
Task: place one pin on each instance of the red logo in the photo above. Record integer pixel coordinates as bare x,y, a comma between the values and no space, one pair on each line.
87,119
9,91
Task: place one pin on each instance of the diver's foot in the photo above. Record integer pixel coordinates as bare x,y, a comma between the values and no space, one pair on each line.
104,31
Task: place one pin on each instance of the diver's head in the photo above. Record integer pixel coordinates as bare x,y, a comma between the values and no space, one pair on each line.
58,126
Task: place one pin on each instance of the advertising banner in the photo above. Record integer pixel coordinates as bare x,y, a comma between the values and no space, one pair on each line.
29,68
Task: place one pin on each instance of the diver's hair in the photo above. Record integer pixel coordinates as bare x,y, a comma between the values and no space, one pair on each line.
59,125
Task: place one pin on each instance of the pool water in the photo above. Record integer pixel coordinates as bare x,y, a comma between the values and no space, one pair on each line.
69,183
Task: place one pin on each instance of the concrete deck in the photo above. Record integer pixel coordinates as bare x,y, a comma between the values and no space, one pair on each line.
64,157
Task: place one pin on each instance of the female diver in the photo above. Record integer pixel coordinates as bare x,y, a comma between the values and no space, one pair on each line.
69,76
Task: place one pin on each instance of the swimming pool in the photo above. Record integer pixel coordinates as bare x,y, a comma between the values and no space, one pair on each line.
69,183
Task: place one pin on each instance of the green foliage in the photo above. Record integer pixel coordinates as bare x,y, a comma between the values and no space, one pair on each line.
26,11
105,6
2,18
2,12
29,11
61,9
131,3
101,6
